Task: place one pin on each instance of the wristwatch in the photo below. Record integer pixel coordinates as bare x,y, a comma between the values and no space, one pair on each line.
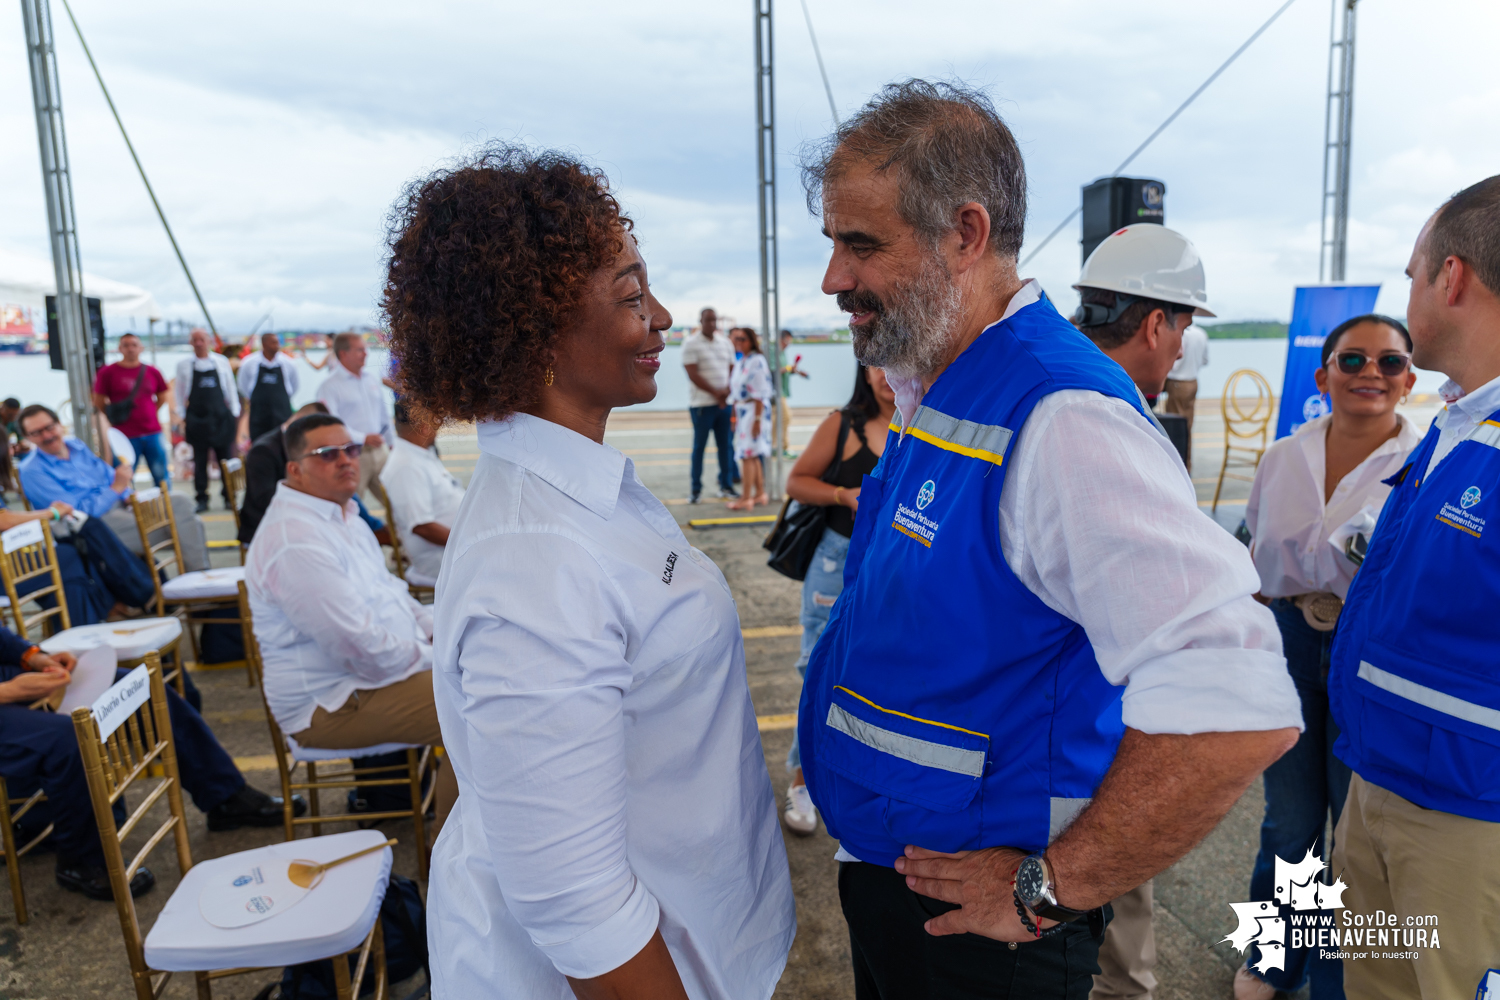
1034,888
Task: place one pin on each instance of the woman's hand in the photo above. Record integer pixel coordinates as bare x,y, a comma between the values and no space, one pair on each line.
755,428
33,686
63,509
851,497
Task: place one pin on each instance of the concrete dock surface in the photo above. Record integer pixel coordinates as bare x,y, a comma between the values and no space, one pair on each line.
72,946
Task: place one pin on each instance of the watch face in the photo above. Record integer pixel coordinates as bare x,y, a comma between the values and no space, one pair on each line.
1030,880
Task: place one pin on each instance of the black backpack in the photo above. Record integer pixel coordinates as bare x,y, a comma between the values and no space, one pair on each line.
403,922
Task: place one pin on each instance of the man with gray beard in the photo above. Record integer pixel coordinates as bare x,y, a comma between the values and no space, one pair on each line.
1046,678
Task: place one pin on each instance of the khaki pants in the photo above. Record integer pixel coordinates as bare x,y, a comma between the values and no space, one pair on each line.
1128,953
1181,396
403,712
1400,858
371,461
786,423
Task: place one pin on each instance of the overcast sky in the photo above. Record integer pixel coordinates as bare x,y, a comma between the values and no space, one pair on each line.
278,134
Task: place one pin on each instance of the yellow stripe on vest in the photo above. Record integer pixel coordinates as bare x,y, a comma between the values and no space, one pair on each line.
925,722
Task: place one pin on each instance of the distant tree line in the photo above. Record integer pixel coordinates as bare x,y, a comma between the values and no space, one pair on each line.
1255,329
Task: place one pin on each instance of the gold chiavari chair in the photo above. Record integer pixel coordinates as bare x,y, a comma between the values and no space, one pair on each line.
422,590
1244,423
233,472
192,595
128,743
10,814
419,762
27,552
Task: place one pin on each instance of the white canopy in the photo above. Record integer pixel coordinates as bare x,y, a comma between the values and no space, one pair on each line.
27,281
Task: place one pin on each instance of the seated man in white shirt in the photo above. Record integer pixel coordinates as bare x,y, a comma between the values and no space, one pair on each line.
424,497
347,651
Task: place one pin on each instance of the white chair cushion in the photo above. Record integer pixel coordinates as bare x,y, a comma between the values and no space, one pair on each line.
314,754
131,639
204,583
333,918
4,601
420,579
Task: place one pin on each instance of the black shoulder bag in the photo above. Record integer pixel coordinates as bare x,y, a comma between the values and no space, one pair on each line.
800,526
118,413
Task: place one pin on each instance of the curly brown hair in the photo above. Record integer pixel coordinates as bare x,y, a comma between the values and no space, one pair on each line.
487,258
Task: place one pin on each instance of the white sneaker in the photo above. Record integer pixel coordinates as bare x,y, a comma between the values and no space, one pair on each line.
1249,986
801,815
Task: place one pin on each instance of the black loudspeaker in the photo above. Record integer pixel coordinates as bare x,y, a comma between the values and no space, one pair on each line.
1176,426
1112,203
54,336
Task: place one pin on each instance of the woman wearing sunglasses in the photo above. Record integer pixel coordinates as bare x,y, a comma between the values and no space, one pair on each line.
1308,486
615,834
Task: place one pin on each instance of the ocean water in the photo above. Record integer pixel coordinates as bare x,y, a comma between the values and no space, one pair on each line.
830,369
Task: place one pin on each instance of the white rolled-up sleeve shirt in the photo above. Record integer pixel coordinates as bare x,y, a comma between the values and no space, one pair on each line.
357,400
590,681
329,617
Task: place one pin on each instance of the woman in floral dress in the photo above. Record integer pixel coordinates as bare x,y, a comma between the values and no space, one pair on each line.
750,392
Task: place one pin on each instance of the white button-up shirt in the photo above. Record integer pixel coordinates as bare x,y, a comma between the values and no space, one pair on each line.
182,386
330,618
357,400
421,491
1463,414
1290,524
590,680
250,369
1194,355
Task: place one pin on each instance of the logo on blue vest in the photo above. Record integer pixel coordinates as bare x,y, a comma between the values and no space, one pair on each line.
929,490
1470,498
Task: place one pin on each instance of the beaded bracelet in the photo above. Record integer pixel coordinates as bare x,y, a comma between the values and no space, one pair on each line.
1032,928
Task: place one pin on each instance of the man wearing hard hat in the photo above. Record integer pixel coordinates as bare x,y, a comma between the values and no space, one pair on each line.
1140,290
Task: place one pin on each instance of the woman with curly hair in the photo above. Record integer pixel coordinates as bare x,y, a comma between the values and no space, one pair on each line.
615,832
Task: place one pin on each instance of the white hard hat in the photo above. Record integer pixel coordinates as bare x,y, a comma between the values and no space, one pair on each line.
1149,261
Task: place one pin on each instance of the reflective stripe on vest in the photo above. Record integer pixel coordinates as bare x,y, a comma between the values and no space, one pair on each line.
1432,698
928,754
964,437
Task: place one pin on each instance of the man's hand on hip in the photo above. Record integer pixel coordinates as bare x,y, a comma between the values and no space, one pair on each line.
374,440
982,883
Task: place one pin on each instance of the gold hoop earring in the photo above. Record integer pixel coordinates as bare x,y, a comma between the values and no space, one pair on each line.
547,377
1404,396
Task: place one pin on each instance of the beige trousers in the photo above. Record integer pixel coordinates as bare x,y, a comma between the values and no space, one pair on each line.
371,461
1128,954
786,423
403,712
1400,858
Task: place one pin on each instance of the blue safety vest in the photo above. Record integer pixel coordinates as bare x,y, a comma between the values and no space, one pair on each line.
945,704
1414,681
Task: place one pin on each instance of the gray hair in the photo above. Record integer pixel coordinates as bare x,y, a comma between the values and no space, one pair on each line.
950,147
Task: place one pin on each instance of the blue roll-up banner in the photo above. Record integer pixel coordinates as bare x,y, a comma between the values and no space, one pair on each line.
1316,310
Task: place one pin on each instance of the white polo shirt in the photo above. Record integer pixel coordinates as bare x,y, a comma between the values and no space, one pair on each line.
714,358
357,400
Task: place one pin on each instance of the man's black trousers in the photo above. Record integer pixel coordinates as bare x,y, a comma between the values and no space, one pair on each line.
221,440
896,959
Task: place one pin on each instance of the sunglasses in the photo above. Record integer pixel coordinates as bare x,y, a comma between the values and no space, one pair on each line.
331,452
1390,365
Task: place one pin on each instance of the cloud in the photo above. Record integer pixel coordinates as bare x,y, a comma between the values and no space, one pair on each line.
278,134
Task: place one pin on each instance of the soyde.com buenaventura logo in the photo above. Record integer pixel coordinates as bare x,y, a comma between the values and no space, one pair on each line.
1310,913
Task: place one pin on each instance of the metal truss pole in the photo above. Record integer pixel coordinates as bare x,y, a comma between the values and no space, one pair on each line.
72,316
770,296
1338,127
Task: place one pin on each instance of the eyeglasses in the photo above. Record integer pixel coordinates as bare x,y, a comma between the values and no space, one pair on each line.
1390,365
331,452
37,434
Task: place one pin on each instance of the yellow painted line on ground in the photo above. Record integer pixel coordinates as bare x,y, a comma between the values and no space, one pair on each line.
731,522
223,543
770,723
771,631
260,762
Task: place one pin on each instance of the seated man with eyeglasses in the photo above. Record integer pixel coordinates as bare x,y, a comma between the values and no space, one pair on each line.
61,467
347,651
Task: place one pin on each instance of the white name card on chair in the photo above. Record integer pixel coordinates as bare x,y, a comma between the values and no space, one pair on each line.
21,536
120,702
146,496
233,464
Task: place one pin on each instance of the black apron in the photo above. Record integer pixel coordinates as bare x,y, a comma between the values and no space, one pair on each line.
208,417
270,403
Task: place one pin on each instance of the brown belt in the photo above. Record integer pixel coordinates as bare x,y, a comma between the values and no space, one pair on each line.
1320,610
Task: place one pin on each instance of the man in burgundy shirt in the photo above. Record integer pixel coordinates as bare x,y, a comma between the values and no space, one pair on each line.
117,384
